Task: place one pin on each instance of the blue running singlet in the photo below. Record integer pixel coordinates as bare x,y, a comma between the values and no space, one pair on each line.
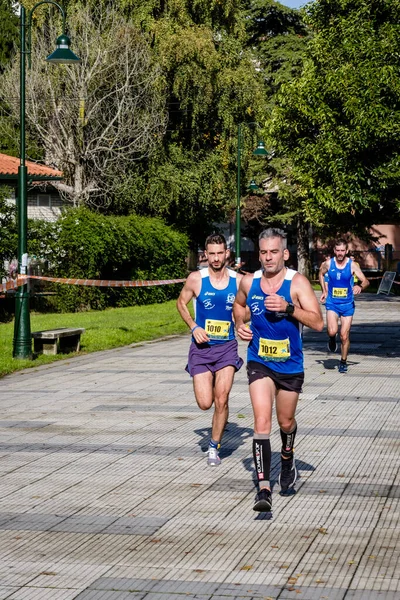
340,284
277,337
213,308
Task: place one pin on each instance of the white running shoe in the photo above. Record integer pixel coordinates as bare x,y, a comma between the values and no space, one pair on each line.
213,459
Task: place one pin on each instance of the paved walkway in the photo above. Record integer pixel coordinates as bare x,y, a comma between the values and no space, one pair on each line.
105,493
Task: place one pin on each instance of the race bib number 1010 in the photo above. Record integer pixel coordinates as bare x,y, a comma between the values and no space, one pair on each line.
217,330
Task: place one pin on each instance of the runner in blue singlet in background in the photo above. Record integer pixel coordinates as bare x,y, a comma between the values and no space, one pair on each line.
339,299
213,354
280,301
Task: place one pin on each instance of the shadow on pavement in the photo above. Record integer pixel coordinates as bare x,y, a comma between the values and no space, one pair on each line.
330,364
381,339
248,464
234,437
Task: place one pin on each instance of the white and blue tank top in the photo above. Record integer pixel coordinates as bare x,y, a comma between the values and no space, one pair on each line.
340,283
277,337
213,308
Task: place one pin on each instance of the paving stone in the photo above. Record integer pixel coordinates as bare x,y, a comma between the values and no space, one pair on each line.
29,593
110,595
123,584
320,593
106,493
5,592
372,595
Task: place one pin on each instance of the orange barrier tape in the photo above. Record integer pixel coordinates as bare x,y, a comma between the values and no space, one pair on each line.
9,285
22,279
100,282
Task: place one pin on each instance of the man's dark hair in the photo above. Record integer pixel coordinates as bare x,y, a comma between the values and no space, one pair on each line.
341,242
215,238
273,232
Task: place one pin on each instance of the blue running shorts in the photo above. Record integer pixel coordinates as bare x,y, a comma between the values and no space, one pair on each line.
342,310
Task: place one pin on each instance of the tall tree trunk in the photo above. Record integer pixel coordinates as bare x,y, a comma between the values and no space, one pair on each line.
303,253
78,184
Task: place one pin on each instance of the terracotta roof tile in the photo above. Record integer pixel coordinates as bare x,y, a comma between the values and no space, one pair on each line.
9,166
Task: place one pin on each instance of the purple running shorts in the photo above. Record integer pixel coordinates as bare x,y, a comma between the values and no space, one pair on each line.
214,357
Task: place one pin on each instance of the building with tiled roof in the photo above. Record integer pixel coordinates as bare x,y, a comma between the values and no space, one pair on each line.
44,201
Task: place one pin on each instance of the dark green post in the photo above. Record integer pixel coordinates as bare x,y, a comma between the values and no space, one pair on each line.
22,347
22,327
238,259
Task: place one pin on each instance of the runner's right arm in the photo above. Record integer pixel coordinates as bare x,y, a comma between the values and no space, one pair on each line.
322,271
191,290
240,309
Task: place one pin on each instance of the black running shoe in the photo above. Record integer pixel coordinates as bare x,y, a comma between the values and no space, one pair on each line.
263,501
332,344
288,475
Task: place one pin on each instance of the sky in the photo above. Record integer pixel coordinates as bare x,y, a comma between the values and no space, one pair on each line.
293,3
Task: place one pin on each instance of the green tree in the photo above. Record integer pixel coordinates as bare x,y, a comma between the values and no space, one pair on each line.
277,36
339,122
9,32
212,83
9,36
8,230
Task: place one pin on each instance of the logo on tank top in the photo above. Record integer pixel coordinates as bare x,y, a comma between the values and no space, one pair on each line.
230,299
338,275
208,305
255,309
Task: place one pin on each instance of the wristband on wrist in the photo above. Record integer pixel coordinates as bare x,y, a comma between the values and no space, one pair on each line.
195,327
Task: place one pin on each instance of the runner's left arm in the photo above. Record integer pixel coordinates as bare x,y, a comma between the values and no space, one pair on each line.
307,310
362,282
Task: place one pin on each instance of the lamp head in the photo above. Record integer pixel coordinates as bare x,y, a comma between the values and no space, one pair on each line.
62,54
253,185
260,150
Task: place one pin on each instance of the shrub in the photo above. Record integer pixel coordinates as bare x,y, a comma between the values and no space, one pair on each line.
83,244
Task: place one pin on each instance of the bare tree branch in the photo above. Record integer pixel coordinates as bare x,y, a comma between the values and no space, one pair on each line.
93,119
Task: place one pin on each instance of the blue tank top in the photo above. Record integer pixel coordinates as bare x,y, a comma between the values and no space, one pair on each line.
277,337
213,308
340,283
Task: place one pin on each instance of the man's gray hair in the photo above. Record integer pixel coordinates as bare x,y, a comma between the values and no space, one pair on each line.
273,232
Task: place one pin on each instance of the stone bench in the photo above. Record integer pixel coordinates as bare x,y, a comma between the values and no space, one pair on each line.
52,341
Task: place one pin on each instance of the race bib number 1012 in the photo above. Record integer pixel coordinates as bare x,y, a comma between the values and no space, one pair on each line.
278,350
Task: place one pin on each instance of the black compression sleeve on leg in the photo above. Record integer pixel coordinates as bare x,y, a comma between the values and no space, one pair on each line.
288,442
262,457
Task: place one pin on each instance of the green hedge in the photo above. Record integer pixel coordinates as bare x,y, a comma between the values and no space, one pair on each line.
84,244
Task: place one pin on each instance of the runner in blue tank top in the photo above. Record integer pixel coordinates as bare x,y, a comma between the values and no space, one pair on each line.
213,354
339,299
280,301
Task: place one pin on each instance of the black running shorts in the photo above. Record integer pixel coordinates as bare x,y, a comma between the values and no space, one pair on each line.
291,382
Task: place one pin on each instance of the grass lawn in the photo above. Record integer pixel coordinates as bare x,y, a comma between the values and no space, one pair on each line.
104,330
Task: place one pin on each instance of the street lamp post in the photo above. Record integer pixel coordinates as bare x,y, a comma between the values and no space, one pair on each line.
22,347
259,151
